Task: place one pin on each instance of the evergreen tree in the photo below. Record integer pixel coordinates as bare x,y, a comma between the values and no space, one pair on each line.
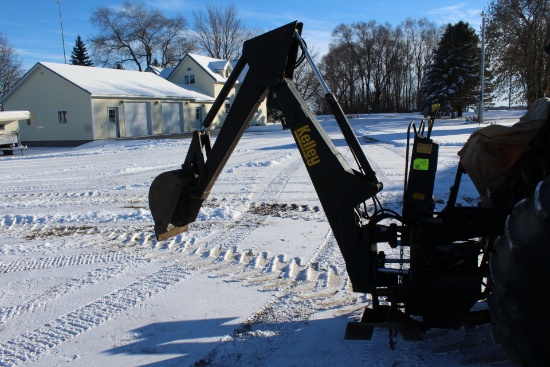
453,78
79,56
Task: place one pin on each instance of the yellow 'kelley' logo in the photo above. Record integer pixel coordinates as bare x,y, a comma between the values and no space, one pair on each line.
307,145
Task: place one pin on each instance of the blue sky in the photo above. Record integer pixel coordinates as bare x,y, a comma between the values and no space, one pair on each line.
33,27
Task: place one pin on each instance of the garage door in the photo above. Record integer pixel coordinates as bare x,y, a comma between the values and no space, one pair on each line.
137,119
172,121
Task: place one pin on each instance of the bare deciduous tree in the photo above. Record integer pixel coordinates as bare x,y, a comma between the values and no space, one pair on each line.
173,44
379,67
220,32
137,34
517,32
305,79
10,66
307,84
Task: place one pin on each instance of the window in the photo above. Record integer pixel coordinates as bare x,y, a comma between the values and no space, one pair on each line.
30,121
189,79
112,116
62,117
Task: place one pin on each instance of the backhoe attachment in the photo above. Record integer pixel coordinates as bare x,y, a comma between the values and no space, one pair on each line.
176,197
443,279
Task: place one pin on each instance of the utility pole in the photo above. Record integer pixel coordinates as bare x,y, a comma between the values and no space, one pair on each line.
62,36
482,100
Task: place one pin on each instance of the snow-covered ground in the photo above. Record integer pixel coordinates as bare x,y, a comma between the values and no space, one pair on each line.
257,281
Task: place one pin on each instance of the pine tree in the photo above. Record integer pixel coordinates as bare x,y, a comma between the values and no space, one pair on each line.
79,56
453,78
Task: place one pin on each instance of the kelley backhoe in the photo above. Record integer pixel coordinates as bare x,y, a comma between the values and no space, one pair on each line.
451,263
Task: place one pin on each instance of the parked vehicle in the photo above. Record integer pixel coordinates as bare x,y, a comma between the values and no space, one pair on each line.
10,139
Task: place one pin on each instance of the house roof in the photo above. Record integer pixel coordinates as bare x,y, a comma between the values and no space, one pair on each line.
154,69
120,83
210,65
162,72
165,73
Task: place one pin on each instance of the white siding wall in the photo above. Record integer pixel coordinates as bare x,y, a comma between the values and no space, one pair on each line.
259,118
101,119
189,115
204,83
154,125
207,85
44,94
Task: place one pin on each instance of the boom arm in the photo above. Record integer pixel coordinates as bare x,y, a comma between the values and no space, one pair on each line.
175,197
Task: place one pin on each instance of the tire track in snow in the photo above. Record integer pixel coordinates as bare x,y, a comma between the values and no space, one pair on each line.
276,186
294,304
72,285
75,200
31,345
391,175
309,288
63,261
249,221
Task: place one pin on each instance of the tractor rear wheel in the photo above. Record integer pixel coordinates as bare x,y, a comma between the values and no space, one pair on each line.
520,298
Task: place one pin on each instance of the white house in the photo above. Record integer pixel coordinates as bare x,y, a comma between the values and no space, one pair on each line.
207,76
72,104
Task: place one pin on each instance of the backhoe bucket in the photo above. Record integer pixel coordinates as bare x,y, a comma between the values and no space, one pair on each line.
172,203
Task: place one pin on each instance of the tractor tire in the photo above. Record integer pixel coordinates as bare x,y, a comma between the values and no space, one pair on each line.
7,152
520,298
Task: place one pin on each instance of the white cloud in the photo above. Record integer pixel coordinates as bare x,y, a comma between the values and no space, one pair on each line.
455,13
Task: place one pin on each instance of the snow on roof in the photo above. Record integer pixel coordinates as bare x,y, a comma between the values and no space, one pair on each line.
165,73
217,65
154,69
211,65
162,72
121,83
